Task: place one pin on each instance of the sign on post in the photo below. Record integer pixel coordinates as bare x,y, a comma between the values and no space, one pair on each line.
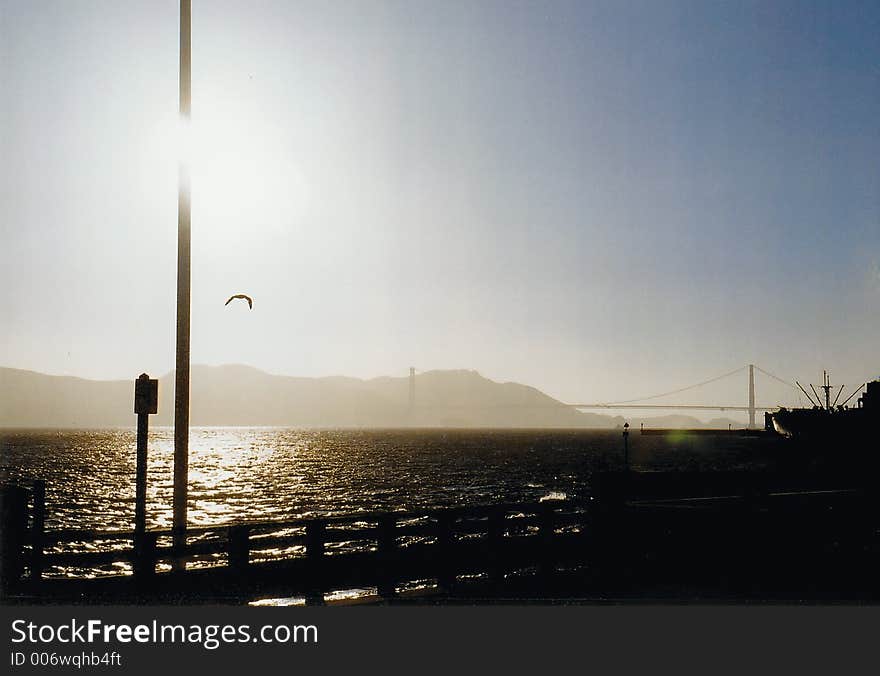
146,395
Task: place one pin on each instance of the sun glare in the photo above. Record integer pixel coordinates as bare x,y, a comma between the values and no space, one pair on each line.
240,180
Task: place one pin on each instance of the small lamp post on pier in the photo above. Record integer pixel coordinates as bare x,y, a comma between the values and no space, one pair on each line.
626,446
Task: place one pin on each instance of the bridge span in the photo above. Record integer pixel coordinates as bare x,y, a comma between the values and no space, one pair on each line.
752,408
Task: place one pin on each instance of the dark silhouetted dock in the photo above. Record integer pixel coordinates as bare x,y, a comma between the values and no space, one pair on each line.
643,536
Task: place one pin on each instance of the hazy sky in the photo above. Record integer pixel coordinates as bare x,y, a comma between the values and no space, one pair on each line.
600,199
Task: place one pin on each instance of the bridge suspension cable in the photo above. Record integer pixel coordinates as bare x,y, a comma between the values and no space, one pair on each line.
682,389
784,382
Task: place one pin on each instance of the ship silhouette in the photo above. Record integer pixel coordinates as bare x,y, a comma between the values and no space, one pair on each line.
826,420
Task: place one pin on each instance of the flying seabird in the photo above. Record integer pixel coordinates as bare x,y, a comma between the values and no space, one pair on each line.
241,295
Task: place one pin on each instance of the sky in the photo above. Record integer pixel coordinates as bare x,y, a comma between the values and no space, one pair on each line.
603,200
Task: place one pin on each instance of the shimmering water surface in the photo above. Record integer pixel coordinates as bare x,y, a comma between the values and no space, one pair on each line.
274,473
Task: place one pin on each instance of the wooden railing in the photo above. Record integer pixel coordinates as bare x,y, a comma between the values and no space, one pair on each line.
637,530
313,556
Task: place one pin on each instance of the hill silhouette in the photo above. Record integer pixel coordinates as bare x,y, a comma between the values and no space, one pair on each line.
243,395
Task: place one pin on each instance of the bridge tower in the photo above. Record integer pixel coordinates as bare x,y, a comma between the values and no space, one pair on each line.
751,396
412,391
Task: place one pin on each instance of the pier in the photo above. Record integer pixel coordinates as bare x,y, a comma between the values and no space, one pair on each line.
643,536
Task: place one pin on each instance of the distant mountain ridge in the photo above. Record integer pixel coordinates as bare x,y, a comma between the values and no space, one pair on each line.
243,395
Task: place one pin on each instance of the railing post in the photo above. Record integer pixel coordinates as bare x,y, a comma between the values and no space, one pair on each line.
145,557
238,547
546,527
38,528
495,543
315,532
387,545
445,551
13,523
179,541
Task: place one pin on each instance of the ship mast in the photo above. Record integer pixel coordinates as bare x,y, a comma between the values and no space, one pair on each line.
826,385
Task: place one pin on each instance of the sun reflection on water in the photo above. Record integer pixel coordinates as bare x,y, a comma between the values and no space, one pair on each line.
265,474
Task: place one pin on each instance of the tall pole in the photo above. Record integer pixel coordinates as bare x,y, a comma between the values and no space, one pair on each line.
181,383
751,396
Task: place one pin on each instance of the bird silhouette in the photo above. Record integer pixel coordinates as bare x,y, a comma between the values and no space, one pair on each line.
241,295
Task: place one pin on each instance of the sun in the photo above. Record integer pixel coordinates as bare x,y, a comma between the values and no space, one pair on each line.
241,178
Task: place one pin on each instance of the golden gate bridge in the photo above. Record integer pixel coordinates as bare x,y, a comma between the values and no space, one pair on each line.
751,407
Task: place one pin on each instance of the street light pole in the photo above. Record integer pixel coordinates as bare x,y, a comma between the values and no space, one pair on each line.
181,384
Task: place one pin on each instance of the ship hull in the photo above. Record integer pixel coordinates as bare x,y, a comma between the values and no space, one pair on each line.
808,424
